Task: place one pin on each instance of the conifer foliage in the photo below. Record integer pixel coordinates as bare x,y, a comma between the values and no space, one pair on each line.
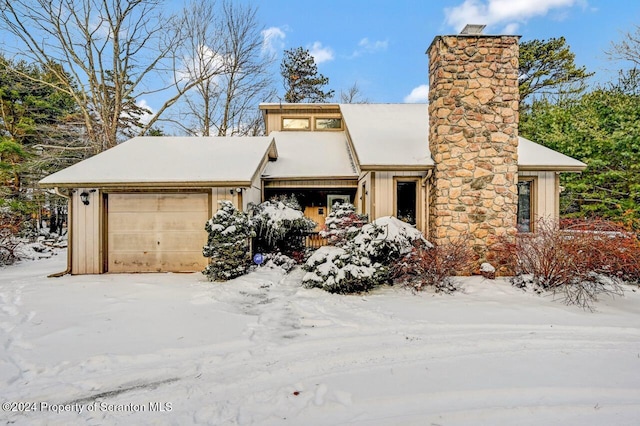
301,79
228,243
342,224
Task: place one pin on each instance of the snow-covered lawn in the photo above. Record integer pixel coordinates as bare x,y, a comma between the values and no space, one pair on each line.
175,349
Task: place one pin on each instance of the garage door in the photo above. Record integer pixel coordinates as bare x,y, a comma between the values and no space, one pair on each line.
156,232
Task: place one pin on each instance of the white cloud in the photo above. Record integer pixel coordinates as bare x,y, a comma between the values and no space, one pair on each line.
418,95
146,117
506,12
511,28
373,46
321,54
367,46
273,40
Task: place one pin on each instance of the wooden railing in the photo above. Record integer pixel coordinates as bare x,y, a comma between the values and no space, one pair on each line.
314,240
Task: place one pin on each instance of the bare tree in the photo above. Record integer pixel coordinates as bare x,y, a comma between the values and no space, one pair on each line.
225,103
116,52
353,95
628,49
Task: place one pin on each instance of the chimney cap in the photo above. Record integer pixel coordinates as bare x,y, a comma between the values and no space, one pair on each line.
473,29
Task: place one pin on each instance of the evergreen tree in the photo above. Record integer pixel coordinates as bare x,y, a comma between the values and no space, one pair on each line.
602,129
228,243
342,224
547,67
301,79
281,227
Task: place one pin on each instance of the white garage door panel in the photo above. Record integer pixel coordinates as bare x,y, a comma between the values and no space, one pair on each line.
157,232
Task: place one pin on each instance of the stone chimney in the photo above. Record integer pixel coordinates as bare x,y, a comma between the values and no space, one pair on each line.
473,137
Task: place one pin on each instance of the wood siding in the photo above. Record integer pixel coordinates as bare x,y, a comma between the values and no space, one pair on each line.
157,232
86,237
546,196
274,118
364,199
328,183
384,189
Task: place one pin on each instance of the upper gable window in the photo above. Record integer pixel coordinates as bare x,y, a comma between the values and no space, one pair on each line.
328,123
296,123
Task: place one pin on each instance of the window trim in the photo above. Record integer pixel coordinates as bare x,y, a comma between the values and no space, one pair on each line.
337,129
415,179
533,199
283,118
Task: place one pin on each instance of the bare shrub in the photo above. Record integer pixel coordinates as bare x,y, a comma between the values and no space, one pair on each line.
576,266
10,225
434,267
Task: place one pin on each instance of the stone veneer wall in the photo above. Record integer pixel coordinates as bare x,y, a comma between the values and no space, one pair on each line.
473,138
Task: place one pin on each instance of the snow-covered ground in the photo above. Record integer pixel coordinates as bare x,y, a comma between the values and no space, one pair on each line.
175,349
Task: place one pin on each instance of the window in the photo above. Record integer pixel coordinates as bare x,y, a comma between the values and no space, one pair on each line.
407,200
525,205
332,199
328,123
296,123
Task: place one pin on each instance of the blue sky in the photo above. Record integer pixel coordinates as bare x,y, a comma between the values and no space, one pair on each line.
381,44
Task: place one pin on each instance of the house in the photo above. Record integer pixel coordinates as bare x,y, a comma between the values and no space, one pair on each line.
455,166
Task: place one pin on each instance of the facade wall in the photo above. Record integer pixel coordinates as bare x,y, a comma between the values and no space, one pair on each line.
364,196
224,194
87,232
473,137
384,195
546,196
274,117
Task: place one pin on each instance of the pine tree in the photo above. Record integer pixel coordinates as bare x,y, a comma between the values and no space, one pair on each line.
342,224
301,78
228,243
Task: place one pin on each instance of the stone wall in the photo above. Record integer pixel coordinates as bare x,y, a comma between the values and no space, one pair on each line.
473,138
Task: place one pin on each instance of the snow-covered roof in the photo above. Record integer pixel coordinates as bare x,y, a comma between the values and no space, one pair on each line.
389,135
311,155
533,156
170,161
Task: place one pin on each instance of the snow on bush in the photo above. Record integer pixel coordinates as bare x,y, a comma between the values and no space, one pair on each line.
228,243
340,270
342,224
363,261
279,260
387,238
280,226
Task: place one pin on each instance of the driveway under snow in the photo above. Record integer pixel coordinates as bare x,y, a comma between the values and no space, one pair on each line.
175,349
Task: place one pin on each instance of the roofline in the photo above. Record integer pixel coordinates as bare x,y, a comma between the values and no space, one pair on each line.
572,169
394,167
287,105
316,178
133,185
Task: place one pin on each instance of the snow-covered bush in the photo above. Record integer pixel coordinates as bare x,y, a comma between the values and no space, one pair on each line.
280,226
427,266
342,224
340,270
228,243
363,261
386,239
279,260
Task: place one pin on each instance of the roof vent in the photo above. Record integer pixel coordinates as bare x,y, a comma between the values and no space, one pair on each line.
472,29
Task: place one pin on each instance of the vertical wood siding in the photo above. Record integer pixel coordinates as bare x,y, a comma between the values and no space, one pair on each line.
546,194
86,240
